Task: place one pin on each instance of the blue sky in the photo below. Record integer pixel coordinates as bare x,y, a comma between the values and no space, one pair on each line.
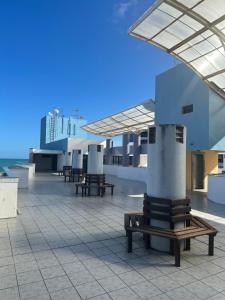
69,54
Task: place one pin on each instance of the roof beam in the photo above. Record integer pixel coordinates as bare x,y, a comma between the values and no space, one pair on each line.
214,74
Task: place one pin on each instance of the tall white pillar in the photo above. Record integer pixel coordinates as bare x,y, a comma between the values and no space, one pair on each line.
95,159
166,170
77,160
67,159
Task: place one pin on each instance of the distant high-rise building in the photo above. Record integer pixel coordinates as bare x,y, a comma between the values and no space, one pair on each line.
55,127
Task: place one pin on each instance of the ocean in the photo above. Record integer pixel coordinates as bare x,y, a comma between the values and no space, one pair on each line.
7,162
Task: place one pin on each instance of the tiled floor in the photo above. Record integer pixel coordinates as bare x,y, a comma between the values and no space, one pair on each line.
67,247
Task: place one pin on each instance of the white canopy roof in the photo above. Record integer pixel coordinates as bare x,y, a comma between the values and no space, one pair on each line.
134,119
191,30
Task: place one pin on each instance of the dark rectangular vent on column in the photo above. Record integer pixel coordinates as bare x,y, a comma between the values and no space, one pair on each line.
151,135
79,151
180,134
88,148
99,148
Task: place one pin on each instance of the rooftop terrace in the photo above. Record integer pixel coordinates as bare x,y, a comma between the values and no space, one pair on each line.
67,247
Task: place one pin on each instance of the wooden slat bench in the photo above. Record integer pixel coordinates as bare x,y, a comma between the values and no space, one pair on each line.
77,174
135,222
67,170
90,181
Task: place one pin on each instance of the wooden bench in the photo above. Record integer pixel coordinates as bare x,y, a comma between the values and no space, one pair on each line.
67,170
94,181
135,222
77,173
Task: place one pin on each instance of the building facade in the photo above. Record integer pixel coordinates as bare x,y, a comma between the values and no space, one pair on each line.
181,97
55,127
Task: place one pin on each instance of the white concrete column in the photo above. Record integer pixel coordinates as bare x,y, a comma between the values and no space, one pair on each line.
108,152
95,159
125,150
77,159
166,169
136,150
60,162
67,159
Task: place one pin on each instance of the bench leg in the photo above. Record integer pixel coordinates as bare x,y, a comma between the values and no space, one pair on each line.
211,245
177,252
187,244
112,190
129,241
147,239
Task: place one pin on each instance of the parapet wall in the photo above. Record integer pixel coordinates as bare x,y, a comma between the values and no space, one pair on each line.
131,173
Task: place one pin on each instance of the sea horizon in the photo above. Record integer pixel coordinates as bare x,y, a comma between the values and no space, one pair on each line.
8,162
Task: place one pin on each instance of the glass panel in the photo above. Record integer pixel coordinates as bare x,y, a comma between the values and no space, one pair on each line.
153,24
166,39
219,80
170,10
189,54
191,23
180,30
204,47
215,41
221,25
207,33
189,3
217,58
203,66
211,10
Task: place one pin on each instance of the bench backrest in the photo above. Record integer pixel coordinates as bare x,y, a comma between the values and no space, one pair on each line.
76,171
172,211
95,178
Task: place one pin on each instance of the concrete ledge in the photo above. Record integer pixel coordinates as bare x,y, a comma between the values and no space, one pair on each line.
21,172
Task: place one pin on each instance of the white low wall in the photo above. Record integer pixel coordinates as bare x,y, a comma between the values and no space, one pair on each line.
8,197
19,172
131,173
216,188
31,170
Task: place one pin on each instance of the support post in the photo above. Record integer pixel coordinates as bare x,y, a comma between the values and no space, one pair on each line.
211,245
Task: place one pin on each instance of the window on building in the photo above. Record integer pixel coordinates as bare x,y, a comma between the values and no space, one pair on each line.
144,134
74,129
117,160
130,160
151,135
180,134
69,129
62,124
187,109
99,148
220,158
131,138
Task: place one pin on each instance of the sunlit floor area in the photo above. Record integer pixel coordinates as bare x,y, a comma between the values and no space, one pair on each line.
62,246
